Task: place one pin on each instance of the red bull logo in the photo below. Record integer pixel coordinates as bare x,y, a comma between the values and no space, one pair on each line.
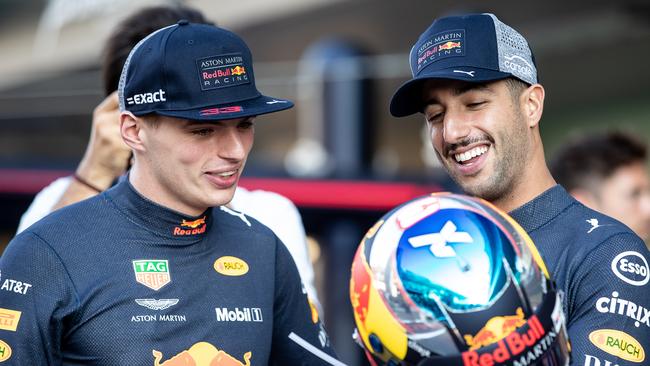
510,346
448,46
238,70
495,329
193,224
201,354
191,227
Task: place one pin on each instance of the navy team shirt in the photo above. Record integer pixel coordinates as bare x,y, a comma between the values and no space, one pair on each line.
601,266
120,280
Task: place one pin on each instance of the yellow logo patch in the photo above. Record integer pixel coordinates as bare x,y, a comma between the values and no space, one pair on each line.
9,319
5,351
619,344
230,266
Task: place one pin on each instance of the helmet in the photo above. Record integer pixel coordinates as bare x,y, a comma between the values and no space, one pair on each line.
448,279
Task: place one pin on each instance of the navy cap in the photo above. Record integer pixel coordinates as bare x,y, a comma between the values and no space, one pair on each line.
193,71
472,47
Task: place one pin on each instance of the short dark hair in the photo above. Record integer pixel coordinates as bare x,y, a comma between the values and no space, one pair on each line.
593,158
515,87
133,29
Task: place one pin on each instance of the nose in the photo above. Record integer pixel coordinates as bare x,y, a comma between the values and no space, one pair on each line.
231,144
456,127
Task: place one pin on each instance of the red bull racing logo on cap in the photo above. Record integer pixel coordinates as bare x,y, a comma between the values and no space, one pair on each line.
202,354
153,273
222,71
440,46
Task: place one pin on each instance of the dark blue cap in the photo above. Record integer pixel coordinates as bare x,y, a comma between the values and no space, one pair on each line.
193,71
473,48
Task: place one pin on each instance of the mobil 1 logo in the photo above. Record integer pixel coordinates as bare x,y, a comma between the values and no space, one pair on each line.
631,267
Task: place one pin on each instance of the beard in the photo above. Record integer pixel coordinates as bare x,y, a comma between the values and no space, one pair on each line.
510,149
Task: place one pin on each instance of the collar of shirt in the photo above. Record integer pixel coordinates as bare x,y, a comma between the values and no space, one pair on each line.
543,208
158,219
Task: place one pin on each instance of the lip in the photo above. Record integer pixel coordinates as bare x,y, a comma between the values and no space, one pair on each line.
223,182
475,166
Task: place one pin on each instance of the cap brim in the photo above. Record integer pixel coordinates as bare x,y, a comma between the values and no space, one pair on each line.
408,98
252,107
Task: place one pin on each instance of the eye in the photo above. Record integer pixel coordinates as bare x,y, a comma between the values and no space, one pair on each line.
202,132
247,124
434,117
475,104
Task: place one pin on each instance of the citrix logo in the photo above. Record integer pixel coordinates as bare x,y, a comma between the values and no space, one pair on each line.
614,305
146,98
243,315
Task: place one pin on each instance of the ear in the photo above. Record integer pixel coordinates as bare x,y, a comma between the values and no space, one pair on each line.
131,130
532,100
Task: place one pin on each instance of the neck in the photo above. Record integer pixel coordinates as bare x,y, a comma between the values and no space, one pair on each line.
534,180
148,186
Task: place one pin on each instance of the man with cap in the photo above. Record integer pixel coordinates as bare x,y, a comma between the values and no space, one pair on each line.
156,270
475,82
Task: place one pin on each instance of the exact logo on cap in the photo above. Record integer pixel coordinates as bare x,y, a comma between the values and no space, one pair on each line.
222,71
147,98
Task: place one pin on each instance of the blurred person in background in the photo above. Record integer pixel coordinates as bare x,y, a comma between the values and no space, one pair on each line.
608,173
107,156
475,82
157,267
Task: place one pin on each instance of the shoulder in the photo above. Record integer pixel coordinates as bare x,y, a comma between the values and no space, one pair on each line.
74,221
249,201
240,222
43,202
596,229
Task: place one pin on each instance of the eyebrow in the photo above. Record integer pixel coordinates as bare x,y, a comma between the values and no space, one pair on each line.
462,89
192,123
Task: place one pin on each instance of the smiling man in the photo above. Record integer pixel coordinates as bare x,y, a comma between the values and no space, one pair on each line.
475,82
156,270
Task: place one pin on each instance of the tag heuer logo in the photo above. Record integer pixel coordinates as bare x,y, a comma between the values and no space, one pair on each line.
153,273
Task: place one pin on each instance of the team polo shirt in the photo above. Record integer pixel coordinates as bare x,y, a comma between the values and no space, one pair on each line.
601,267
120,280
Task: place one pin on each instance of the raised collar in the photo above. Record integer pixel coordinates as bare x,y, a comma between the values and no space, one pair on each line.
543,208
158,219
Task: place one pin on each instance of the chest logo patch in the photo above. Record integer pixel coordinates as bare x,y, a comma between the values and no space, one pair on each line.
9,319
202,353
231,266
5,351
153,273
619,344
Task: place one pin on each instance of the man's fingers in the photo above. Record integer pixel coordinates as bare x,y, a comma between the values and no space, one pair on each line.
109,103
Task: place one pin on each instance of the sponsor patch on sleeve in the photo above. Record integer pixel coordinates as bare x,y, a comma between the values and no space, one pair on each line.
631,267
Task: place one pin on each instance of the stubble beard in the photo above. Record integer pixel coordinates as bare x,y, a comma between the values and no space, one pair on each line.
508,165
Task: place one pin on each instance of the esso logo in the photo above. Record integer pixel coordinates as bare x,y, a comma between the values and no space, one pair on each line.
631,267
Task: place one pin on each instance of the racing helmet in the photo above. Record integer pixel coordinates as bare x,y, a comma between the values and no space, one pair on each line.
448,279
